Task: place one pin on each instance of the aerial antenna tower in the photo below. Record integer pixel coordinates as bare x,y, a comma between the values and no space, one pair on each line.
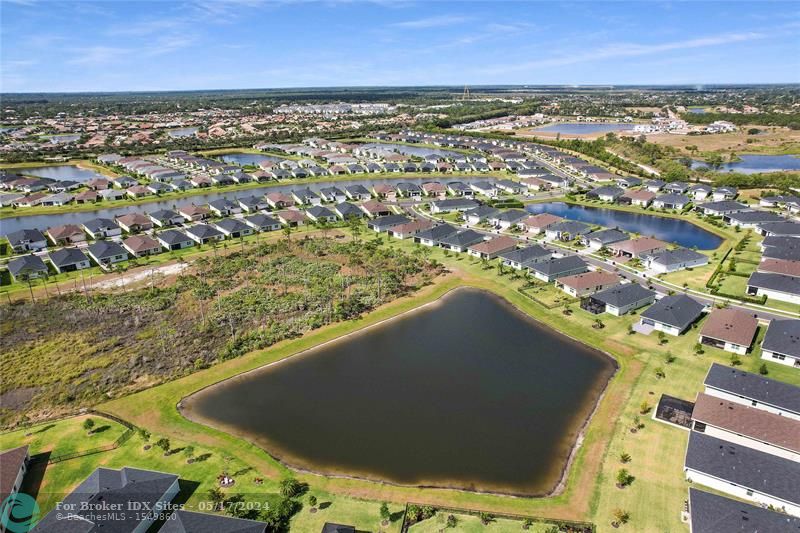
465,96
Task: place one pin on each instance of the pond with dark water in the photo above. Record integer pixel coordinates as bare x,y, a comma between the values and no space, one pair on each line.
753,164
467,393
673,230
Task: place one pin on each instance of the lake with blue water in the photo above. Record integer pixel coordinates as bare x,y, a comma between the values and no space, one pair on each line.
675,230
753,164
61,173
243,159
183,132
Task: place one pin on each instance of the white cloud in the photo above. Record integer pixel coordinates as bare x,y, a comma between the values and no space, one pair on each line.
97,55
432,22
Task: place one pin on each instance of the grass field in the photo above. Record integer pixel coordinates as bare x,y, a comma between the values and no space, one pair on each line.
654,500
65,436
774,140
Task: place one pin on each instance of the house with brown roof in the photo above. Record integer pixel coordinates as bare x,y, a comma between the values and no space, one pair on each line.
435,189
194,213
86,197
374,208
134,222
138,191
409,229
98,184
780,266
588,283
13,467
538,223
641,198
291,217
491,248
142,245
729,329
747,426
536,184
384,191
279,200
66,234
637,247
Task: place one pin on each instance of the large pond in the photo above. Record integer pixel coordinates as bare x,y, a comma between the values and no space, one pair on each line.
182,132
61,173
42,222
466,393
583,128
752,164
417,151
675,230
242,159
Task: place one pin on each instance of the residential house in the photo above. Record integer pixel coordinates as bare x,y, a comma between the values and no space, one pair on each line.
320,213
409,229
538,223
461,241
508,219
606,194
107,252
480,214
434,189
260,222
710,513
674,260
671,201
729,329
26,240
13,467
357,192
224,207
567,230
485,188
251,204
134,222
384,223
509,186
619,300
27,267
291,217
457,188
183,521
173,239
559,267
99,228
279,200
635,248
86,197
204,234
521,258
409,190
453,204
347,210
725,193
587,283
699,192
140,497
780,266
627,182
66,234
374,208
138,191
142,245
111,195
781,287
640,198
747,426
779,229
676,187
672,314
598,240
68,259
165,217
723,207
746,388
743,472
233,228
751,218
491,248
332,194
781,343
434,235
194,213
58,199
306,197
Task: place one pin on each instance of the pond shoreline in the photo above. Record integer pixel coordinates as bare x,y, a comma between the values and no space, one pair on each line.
575,435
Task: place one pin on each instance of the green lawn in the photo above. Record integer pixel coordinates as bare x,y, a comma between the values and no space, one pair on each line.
63,436
467,523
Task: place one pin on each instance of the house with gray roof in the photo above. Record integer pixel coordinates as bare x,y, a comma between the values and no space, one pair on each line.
69,259
508,219
596,240
525,257
480,214
458,188
320,213
710,513
107,252
700,191
132,498
671,201
27,266
434,235
357,192
775,286
183,521
559,267
781,343
224,207
381,224
345,210
566,230
619,300
724,207
628,181
261,222
788,251
251,204
778,229
725,192
453,204
460,241
676,187
330,527
173,239
409,190
743,472
673,260
654,185
751,218
27,240
99,228
204,234
165,217
234,228
332,194
672,314
753,390
606,194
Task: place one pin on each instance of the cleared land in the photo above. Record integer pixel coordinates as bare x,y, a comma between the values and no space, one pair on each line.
771,140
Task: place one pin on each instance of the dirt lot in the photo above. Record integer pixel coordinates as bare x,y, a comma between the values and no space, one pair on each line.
773,140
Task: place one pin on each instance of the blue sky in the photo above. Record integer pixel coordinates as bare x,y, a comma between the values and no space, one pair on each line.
227,44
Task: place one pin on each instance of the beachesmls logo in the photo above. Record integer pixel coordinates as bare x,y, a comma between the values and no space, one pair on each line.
19,513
